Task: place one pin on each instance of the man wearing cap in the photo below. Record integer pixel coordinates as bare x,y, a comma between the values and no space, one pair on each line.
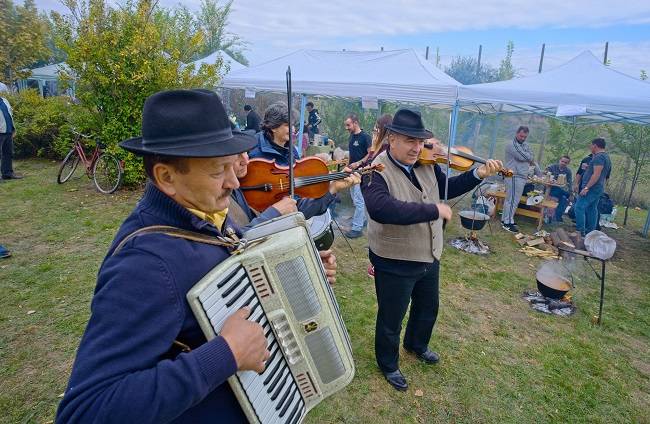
405,237
273,144
143,357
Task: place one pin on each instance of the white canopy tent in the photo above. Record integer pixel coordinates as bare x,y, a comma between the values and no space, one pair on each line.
582,91
212,58
399,75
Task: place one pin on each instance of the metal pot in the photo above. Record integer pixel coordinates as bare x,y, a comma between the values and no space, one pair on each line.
473,220
555,287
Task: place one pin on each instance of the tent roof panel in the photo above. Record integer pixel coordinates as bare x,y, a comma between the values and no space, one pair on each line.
389,75
581,81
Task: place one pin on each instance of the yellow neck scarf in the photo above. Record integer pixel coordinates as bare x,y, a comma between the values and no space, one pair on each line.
217,218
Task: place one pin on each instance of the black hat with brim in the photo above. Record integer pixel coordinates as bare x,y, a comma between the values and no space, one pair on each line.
187,123
409,122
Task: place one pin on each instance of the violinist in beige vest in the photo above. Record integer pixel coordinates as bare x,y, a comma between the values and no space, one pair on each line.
405,237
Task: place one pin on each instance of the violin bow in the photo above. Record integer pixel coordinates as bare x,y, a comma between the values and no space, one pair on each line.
291,159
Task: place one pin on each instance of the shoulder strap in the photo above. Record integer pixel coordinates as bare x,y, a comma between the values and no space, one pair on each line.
230,242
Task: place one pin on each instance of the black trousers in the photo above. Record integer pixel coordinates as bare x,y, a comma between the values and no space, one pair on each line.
394,292
6,154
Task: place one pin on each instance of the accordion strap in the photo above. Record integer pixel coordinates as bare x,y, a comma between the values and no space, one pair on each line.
232,242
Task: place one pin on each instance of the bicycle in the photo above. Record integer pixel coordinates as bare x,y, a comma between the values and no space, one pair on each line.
103,168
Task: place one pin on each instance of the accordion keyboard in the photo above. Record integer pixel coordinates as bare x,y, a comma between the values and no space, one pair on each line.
282,280
274,395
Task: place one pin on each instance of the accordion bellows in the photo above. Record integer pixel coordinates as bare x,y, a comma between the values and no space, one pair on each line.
282,280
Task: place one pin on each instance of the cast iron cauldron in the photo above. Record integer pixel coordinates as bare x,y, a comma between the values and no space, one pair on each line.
555,288
473,220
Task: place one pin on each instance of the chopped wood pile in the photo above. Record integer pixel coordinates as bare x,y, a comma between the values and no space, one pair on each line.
545,245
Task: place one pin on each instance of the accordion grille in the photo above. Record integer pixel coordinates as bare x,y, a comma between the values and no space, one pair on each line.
326,356
305,384
298,289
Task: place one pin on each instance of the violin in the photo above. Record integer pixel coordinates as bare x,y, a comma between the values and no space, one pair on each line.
460,158
266,182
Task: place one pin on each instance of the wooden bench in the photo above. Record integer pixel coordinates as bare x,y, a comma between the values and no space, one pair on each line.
535,211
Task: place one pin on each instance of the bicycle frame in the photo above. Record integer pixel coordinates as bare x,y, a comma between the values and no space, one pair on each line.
88,164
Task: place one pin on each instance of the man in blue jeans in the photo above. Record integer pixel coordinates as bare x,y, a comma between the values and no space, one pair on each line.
562,194
359,145
592,185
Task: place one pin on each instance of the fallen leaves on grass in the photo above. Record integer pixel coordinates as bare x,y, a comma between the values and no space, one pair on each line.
419,393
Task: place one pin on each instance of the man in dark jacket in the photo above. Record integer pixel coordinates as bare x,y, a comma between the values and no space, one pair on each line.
7,135
143,357
313,120
405,237
252,119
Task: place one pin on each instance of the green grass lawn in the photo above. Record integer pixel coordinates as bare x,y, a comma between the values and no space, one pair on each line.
501,361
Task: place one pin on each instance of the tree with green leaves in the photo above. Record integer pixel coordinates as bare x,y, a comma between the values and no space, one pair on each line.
23,34
568,139
506,69
120,56
634,141
213,20
466,70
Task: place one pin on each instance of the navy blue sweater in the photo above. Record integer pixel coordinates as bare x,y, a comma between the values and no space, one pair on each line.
125,371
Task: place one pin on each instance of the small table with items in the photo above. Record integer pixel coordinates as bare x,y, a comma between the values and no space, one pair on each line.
532,211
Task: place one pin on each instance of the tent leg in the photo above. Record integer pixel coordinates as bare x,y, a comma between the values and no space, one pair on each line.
453,123
303,105
495,130
646,227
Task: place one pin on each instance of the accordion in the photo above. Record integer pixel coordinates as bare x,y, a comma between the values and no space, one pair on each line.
281,278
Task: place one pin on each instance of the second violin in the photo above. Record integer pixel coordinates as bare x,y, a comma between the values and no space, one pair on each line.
460,158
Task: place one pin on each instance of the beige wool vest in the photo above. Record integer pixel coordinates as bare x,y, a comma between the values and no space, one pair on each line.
420,242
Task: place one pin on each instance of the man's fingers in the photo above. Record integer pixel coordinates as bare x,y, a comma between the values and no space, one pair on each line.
325,253
244,312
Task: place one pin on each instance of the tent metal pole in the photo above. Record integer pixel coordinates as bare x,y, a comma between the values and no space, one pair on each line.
495,131
303,104
646,227
453,123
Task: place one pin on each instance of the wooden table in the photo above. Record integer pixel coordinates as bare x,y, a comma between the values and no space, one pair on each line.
536,211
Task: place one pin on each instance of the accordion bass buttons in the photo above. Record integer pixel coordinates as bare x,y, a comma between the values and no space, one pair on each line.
286,337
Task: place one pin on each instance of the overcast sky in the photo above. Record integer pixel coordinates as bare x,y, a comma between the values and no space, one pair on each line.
274,28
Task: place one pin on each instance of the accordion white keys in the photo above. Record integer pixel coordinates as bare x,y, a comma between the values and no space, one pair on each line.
281,278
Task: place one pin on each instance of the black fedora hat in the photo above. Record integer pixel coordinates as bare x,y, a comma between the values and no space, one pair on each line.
187,123
409,122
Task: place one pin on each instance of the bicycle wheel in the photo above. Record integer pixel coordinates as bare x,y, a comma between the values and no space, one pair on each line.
107,173
68,166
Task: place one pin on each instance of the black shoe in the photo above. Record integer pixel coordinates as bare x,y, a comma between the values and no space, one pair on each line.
397,380
428,356
12,177
510,227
